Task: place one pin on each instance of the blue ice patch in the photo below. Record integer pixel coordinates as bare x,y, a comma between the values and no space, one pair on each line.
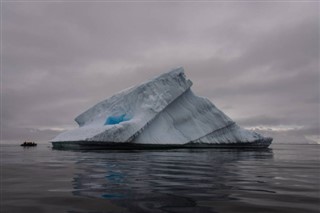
111,120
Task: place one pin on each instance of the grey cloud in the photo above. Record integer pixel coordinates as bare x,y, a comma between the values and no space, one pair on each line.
258,61
277,77
70,32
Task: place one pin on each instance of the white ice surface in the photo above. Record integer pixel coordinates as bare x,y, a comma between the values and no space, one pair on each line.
163,110
230,134
186,119
141,104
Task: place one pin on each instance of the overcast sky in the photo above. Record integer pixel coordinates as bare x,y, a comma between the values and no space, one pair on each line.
256,61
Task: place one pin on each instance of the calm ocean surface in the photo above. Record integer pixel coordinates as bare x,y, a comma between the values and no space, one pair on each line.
284,178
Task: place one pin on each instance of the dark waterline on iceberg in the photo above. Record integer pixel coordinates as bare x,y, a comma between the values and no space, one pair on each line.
284,178
94,145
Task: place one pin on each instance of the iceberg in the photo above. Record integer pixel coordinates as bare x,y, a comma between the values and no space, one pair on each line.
160,113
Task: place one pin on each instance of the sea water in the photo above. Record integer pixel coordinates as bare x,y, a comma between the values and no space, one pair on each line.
283,178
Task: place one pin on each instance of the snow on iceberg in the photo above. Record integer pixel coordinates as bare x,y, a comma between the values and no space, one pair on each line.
161,112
